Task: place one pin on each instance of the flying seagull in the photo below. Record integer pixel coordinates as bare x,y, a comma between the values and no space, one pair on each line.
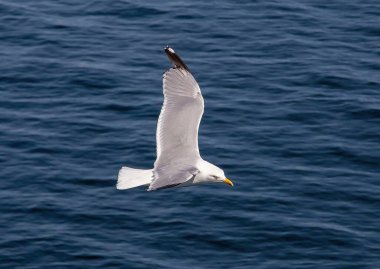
178,160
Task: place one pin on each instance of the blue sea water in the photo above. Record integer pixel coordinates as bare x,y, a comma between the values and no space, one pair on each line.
292,114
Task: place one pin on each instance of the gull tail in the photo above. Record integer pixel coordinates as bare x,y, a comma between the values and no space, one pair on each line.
131,178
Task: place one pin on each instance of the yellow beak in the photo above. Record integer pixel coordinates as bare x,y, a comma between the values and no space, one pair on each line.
229,182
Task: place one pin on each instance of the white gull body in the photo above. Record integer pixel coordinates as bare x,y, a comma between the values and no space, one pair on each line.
178,160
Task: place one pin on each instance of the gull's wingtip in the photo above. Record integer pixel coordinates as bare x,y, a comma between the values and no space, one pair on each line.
168,49
175,59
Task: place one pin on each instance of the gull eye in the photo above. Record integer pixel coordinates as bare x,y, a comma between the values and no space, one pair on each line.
214,177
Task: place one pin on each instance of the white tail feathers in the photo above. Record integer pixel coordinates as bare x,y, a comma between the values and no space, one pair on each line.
131,178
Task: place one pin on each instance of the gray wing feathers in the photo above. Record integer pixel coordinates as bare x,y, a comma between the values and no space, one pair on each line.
170,176
179,82
181,113
177,128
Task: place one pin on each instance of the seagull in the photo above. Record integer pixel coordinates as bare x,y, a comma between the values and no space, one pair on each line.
178,162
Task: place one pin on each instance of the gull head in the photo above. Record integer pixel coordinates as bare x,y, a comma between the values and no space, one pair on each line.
211,173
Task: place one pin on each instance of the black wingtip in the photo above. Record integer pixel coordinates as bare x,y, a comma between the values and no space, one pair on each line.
175,59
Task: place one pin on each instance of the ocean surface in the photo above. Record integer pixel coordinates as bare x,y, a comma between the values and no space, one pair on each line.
292,115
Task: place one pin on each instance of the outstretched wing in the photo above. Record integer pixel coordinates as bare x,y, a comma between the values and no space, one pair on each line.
177,128
181,113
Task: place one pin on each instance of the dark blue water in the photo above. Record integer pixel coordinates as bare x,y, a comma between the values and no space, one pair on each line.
292,95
